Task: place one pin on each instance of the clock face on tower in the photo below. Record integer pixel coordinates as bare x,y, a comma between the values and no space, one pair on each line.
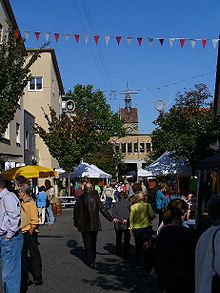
133,128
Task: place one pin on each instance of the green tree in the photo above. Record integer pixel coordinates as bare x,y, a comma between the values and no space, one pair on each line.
188,127
85,134
14,75
105,158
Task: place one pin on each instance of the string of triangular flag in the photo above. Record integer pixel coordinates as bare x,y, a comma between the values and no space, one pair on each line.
129,39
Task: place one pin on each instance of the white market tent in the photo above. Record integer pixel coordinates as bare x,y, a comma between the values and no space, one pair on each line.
101,172
86,170
144,173
168,164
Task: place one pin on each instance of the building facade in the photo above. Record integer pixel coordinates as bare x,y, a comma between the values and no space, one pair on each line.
134,147
44,89
12,141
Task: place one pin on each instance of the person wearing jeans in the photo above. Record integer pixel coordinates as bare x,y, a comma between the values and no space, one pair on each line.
50,195
11,240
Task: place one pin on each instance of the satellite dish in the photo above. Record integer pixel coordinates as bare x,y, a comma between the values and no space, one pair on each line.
160,105
70,106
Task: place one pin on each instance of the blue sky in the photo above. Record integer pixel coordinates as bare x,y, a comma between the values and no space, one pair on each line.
146,68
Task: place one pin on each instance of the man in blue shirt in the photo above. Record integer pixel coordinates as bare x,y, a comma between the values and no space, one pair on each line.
160,198
11,239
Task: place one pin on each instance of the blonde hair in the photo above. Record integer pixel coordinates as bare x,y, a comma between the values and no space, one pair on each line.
140,196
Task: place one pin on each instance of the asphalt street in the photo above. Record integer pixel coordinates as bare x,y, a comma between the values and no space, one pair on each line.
65,270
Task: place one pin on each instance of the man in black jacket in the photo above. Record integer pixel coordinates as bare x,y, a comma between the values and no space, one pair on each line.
86,219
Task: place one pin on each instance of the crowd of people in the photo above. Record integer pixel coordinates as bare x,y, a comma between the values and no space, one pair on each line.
21,213
174,254
180,258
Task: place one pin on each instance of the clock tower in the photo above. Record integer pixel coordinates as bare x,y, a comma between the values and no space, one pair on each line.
129,115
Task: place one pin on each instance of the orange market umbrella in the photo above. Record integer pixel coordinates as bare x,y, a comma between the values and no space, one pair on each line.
32,171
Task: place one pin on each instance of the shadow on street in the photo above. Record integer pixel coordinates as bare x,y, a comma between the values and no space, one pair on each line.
114,274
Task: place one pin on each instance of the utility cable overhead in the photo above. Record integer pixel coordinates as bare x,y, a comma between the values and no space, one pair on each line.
85,31
86,25
89,17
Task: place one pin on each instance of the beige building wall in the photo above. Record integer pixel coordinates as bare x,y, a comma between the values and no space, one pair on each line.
34,101
11,145
134,148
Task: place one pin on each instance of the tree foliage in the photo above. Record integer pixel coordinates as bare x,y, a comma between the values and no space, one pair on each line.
106,158
188,127
84,135
14,75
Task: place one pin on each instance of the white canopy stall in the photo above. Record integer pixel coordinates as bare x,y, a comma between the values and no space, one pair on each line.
168,164
144,173
86,170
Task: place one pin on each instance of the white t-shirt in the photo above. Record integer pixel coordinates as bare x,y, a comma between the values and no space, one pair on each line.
204,260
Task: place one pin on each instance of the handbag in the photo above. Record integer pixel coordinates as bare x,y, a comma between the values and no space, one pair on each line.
216,277
24,218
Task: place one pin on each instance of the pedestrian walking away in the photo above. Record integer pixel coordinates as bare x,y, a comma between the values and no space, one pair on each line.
11,240
29,228
41,204
121,212
86,219
140,224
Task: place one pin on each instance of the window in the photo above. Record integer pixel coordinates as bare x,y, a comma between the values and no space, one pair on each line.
27,140
18,133
142,147
35,84
129,147
6,135
117,148
1,33
123,147
135,147
148,147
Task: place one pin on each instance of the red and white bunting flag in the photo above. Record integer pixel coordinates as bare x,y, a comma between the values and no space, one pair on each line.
86,38
96,38
76,38
37,35
129,40
204,42
215,42
193,42
56,36
182,42
161,41
47,36
139,39
171,41
150,40
107,39
118,39
67,36
17,34
27,34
